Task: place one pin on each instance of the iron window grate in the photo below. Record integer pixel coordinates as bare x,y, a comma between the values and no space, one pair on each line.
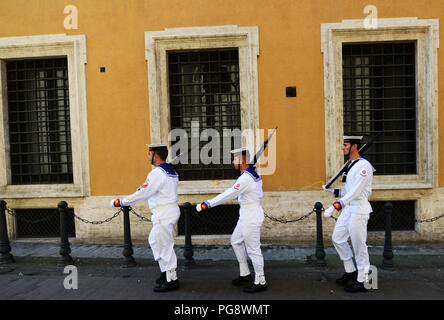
39,124
402,217
204,88
218,220
379,96
43,223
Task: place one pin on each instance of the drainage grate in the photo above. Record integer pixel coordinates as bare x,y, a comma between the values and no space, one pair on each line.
42,223
218,220
402,219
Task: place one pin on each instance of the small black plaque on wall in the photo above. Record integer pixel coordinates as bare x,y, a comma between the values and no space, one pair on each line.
290,92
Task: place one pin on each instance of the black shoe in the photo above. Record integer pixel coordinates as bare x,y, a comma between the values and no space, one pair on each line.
167,286
162,278
348,276
356,286
242,280
256,288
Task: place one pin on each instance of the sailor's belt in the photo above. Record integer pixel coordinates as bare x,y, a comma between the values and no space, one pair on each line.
250,205
161,208
358,202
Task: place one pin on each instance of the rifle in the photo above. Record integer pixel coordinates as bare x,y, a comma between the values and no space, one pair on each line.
264,146
361,151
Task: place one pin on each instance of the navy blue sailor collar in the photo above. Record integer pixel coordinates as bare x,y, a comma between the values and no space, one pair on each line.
252,173
168,169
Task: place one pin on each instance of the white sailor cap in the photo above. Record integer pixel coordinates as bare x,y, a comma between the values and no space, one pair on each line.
242,151
352,138
239,151
157,146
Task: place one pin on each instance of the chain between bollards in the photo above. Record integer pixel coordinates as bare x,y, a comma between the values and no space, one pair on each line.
128,260
188,250
320,252
65,251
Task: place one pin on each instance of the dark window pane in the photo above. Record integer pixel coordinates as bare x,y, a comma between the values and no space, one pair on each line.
204,90
39,126
379,94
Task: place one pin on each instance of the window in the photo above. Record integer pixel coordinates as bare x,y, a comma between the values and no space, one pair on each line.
219,220
223,103
204,87
379,96
384,80
402,216
39,125
43,117
43,223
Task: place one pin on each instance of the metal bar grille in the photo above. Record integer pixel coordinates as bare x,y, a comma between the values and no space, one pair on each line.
204,89
43,223
402,217
39,125
379,94
219,220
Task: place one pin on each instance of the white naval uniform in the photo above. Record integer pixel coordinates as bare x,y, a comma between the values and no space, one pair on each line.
246,236
352,221
160,189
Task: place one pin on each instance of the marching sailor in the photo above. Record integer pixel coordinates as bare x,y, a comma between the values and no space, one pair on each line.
246,236
352,221
160,189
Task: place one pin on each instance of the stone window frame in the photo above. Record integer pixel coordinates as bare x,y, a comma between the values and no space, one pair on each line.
157,43
40,46
425,32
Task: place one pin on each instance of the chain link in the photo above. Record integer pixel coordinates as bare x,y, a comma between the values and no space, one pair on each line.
139,216
430,219
98,222
290,221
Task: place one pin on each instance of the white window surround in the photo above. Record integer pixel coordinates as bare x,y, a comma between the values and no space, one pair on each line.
157,43
426,34
54,45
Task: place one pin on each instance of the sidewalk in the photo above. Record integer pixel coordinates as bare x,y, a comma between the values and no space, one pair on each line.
418,274
271,253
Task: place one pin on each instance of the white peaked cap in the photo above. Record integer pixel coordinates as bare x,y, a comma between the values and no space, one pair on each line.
157,145
240,150
353,137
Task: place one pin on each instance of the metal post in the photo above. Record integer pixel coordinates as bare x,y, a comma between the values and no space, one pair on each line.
387,262
128,261
5,247
320,253
65,251
188,251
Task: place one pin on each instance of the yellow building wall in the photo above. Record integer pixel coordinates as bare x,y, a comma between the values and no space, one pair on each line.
290,55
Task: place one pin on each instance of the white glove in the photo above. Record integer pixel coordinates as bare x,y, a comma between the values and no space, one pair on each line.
328,189
202,206
329,211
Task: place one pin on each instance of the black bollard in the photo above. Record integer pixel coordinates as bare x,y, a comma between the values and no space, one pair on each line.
128,260
320,253
65,251
188,250
5,247
387,262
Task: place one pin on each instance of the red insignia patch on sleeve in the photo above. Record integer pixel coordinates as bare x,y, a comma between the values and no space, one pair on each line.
363,173
147,182
237,186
